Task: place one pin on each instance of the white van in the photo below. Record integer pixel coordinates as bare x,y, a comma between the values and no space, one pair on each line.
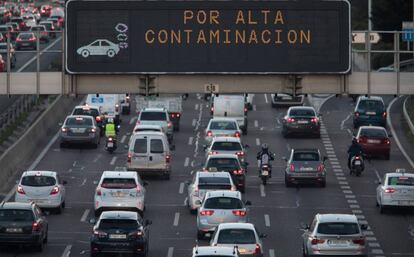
231,106
109,104
149,153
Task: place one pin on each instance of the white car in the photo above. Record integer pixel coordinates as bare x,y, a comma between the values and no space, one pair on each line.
242,235
227,145
141,128
99,47
211,251
45,188
120,190
221,127
396,190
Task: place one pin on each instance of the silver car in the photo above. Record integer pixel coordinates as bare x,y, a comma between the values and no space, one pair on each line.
220,207
221,127
120,191
227,145
334,235
204,182
157,116
79,129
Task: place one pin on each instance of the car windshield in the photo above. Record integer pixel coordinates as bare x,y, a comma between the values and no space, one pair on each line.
25,36
214,183
122,183
236,236
401,181
153,116
338,228
87,112
369,132
147,129
121,224
223,125
226,146
78,122
16,215
223,203
305,156
371,105
223,163
301,112
38,181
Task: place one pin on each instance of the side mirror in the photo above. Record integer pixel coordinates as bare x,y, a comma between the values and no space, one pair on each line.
304,226
262,235
60,124
64,182
364,226
92,221
248,203
145,183
198,202
148,222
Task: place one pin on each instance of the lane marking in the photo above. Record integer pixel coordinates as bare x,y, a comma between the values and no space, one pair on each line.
170,252
113,160
262,191
347,192
343,121
85,215
186,161
132,121
83,182
176,219
372,244
194,122
190,140
123,139
357,211
377,174
97,157
66,252
349,196
256,123
265,96
196,107
267,220
354,206
272,253
377,251
352,201
254,107
181,189
257,141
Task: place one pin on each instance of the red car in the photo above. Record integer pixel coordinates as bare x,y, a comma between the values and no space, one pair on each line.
45,10
375,141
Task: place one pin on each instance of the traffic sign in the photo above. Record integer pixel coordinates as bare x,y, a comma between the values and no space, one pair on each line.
211,88
407,31
360,37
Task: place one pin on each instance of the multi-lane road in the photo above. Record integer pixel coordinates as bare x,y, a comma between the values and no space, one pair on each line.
276,210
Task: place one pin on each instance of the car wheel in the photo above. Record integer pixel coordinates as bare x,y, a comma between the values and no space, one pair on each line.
85,53
59,209
39,247
381,208
62,145
323,183
242,189
200,235
111,53
46,237
285,134
167,176
63,205
287,183
94,255
387,156
95,145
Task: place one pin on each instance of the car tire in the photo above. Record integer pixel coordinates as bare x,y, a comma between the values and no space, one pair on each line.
39,247
167,176
59,209
323,183
381,208
287,183
85,53
242,189
111,53
193,211
200,235
387,156
95,145
45,240
94,255
62,145
285,134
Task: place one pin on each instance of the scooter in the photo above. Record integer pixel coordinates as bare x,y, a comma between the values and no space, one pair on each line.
264,173
110,145
357,165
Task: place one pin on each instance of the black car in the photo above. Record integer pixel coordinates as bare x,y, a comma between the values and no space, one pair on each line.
301,120
120,232
22,224
370,111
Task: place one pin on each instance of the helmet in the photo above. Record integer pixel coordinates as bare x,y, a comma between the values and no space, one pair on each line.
265,147
110,120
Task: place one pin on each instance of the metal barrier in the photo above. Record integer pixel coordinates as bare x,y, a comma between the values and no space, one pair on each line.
21,105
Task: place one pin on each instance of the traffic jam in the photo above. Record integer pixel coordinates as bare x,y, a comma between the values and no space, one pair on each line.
144,138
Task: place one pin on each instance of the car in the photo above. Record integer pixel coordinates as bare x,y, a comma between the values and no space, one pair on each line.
59,14
374,141
56,23
26,40
142,128
99,47
2,38
20,21
211,251
120,191
5,14
15,26
244,236
120,232
79,129
23,224
396,190
231,106
41,31
45,188
157,116
93,111
249,101
301,120
149,153
334,234
7,30
286,100
227,145
45,10
305,166
30,20
370,111
221,206
49,27
204,182
221,127
229,163
12,54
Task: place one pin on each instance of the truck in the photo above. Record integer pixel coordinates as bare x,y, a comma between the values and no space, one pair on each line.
109,105
231,106
173,104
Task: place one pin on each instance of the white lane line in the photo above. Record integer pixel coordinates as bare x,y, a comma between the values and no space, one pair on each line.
350,196
181,189
265,96
190,140
345,187
132,121
176,219
272,253
368,233
347,192
85,215
196,107
343,121
113,160
256,124
352,201
186,161
371,238
377,174
97,157
257,141
254,107
357,211
354,206
83,182
267,220
262,191
170,252
377,251
66,252
343,182
41,52
123,139
193,123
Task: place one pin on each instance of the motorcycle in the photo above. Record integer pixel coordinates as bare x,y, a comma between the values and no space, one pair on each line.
110,145
264,173
357,165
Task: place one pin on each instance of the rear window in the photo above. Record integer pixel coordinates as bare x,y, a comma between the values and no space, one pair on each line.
16,215
157,146
305,157
123,183
87,112
369,132
222,183
226,146
301,112
223,203
223,125
236,236
401,181
338,228
153,116
147,129
38,181
223,163
140,145
78,122
371,105
25,36
119,224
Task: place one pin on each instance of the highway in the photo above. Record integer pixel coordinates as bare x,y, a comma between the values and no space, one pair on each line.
276,210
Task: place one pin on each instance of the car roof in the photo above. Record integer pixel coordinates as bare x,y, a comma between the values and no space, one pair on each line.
213,174
80,116
236,225
16,205
223,119
372,127
148,126
39,173
313,150
153,109
122,215
213,250
334,217
119,174
86,106
226,139
375,98
223,193
223,155
148,133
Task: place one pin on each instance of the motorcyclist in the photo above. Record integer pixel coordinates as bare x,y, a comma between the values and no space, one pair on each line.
354,149
264,157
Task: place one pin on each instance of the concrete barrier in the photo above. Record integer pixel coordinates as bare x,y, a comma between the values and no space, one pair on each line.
407,117
15,159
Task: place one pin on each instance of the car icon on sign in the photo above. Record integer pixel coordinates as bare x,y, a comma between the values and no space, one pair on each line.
99,47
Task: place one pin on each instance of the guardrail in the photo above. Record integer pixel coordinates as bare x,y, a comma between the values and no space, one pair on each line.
407,116
21,105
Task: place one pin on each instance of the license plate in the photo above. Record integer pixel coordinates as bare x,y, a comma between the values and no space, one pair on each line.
370,113
265,173
14,230
303,122
357,162
337,242
306,168
118,194
110,144
373,141
77,130
117,236
405,203
25,44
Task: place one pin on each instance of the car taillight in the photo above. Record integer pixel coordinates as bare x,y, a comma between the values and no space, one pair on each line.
357,158
233,188
238,172
356,114
212,109
138,189
245,110
316,241
257,249
360,241
362,140
321,168
239,213
240,153
178,115
35,226
206,213
98,191
290,120
237,134
167,158
129,157
389,190
20,190
384,115
99,234
196,190
172,115
110,139
387,141
32,39
18,39
292,167
209,133
314,120
98,118
138,233
55,190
